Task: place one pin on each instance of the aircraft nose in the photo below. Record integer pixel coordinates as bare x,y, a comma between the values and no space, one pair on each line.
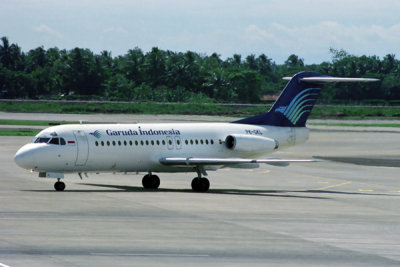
25,158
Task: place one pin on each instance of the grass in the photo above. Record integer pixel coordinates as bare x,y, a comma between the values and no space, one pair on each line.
397,125
342,112
130,108
355,112
191,109
33,123
18,133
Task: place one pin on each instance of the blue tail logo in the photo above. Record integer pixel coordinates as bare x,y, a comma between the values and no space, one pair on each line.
297,99
293,106
301,104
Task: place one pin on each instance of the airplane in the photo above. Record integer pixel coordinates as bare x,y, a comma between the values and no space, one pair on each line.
179,147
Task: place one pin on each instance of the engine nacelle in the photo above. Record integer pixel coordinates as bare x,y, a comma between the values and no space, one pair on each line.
250,143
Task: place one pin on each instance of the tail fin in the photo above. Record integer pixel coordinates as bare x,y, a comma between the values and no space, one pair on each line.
296,101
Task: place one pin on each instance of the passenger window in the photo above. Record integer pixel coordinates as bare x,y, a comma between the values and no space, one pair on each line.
152,142
163,142
201,141
113,142
141,142
178,142
186,142
97,143
170,142
206,141
212,141
102,143
158,142
197,142
220,141
136,143
119,143
147,142
191,141
108,143
130,143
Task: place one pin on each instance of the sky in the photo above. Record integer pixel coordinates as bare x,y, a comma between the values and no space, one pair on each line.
276,28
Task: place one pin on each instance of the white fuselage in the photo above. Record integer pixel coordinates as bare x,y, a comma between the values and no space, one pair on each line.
139,147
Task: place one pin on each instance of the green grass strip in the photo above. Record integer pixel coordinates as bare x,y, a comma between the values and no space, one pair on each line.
397,125
18,133
33,123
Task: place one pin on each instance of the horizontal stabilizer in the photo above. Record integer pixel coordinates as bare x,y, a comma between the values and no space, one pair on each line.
328,79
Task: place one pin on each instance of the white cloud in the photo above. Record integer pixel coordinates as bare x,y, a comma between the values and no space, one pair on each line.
318,38
46,30
276,28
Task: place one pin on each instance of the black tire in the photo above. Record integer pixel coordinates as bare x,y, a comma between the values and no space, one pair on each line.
59,186
200,184
205,184
146,181
151,181
154,181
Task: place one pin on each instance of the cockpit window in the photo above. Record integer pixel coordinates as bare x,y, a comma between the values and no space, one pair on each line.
53,141
42,140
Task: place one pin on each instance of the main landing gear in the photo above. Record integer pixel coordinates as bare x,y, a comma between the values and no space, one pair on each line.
151,181
59,186
199,183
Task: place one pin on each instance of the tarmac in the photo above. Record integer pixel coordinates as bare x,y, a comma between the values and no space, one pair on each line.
344,211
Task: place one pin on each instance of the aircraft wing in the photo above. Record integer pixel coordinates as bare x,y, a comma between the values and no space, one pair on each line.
229,161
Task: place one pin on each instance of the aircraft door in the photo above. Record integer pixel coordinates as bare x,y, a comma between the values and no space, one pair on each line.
292,136
170,142
178,143
82,148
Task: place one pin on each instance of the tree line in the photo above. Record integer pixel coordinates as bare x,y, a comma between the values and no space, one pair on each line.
167,76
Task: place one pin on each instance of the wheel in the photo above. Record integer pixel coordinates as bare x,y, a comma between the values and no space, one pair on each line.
154,182
145,181
151,181
200,184
59,186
